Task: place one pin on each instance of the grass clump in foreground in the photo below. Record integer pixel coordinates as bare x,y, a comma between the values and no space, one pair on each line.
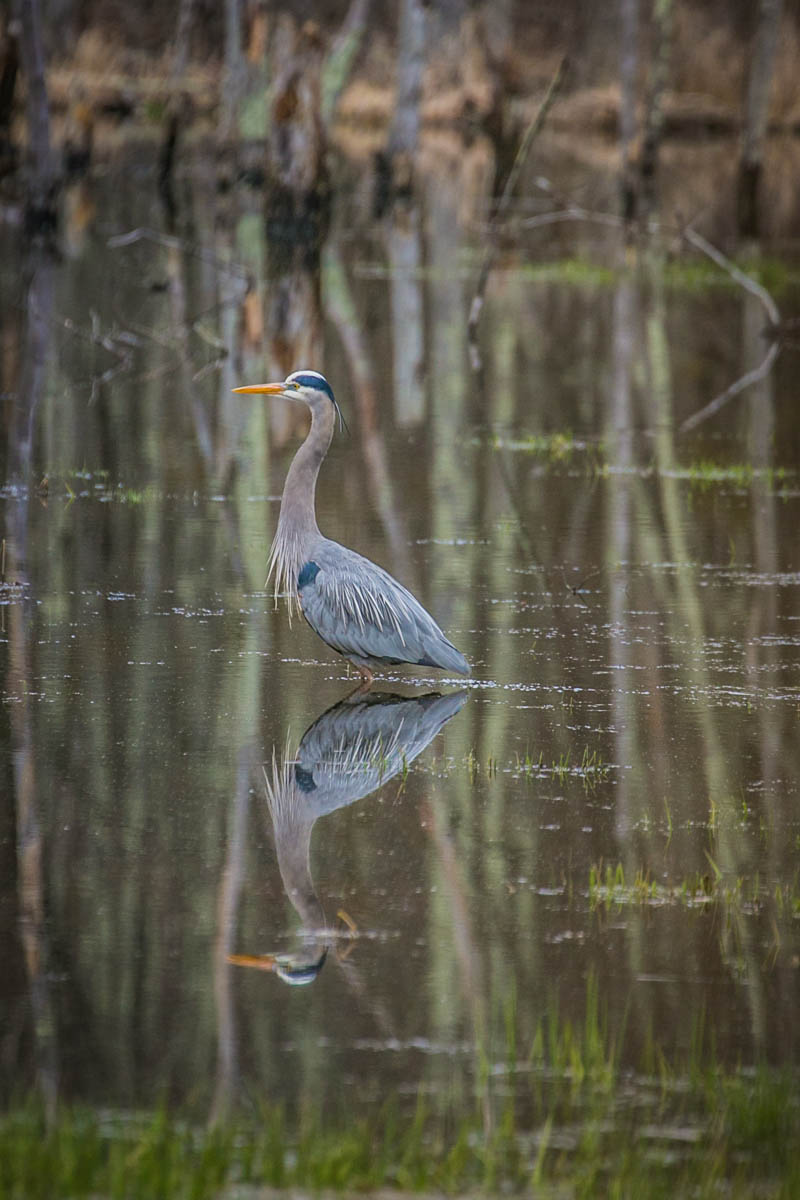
711,1134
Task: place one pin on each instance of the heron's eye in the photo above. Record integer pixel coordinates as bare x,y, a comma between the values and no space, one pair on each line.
296,387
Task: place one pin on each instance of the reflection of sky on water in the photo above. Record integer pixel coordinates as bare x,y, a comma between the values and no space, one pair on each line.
633,631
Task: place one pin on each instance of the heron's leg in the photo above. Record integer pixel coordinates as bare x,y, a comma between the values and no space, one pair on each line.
364,684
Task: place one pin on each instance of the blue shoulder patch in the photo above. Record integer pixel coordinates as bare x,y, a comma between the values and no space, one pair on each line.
308,573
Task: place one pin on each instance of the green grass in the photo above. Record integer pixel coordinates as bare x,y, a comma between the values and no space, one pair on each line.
610,888
591,1126
556,448
723,1134
707,473
561,448
685,274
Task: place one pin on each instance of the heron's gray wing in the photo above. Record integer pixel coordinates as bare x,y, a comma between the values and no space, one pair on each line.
361,611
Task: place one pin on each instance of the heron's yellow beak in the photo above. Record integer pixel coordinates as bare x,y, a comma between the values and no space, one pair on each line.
269,389
261,962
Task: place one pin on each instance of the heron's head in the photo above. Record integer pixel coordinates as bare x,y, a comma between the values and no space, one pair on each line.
295,969
309,386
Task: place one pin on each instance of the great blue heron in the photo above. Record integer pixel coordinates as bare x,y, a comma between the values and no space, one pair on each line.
356,607
351,750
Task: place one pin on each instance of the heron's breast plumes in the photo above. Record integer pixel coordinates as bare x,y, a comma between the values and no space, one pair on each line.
286,558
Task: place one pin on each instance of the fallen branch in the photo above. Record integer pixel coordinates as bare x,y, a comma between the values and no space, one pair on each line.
531,134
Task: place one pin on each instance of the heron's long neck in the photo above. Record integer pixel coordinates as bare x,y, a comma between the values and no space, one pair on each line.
293,846
297,504
297,523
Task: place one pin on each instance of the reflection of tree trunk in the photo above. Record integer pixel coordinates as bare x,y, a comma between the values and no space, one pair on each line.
731,848
30,883
404,133
629,66
9,68
227,909
181,44
295,163
408,343
496,28
342,56
295,323
41,190
455,896
175,114
233,76
619,539
756,112
762,656
231,414
341,309
190,396
454,491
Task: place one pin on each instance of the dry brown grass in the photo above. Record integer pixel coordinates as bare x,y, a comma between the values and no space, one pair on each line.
708,80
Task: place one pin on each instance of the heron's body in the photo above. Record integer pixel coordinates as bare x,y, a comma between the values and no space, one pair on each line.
355,606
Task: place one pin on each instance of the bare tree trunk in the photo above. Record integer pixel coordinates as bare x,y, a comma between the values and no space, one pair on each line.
404,133
654,115
42,175
629,67
762,66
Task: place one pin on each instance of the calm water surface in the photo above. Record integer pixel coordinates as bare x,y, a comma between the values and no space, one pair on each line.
611,801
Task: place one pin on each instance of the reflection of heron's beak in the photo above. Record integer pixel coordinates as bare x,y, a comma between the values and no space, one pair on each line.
261,962
269,389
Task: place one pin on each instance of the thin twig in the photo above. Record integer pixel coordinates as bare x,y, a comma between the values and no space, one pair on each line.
745,281
713,406
505,199
110,342
573,213
773,315
143,233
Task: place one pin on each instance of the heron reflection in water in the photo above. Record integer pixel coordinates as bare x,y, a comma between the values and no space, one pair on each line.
356,607
351,750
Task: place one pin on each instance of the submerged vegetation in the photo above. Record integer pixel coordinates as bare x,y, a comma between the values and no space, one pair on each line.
610,888
560,448
589,1128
